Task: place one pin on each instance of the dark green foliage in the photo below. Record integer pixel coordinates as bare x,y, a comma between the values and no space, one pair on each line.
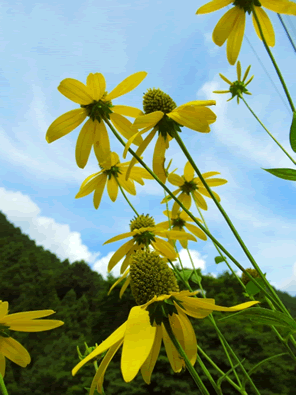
34,279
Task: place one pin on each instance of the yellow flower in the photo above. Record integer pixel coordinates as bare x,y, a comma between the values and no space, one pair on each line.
22,322
111,173
141,341
163,115
231,26
238,87
179,222
192,186
144,232
95,103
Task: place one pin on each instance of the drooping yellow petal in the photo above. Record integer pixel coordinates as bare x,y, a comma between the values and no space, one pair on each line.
158,158
212,6
192,118
126,261
84,143
187,201
105,345
164,248
200,201
99,191
128,185
124,287
65,123
184,243
176,205
2,364
131,140
148,365
164,225
196,231
148,120
124,126
127,85
225,26
236,36
266,26
14,351
119,237
204,192
87,188
120,253
76,91
168,198
127,111
96,84
175,180
141,172
193,311
280,6
188,172
138,342
112,188
118,281
102,144
176,235
171,351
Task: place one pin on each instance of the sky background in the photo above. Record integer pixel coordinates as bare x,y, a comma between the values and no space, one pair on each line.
43,43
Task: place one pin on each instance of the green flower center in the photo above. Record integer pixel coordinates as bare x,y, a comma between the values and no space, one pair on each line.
246,5
99,109
144,238
113,171
142,221
150,276
178,222
188,186
237,88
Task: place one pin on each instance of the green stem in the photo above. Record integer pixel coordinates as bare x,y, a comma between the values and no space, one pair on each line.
273,60
132,207
194,219
2,386
180,350
267,130
237,236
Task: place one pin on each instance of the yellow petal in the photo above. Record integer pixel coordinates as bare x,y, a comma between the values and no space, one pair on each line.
225,79
148,120
196,231
65,124
221,91
76,91
128,185
87,188
119,237
34,325
14,351
120,253
280,6
141,172
109,342
213,182
171,351
2,364
158,158
266,26
96,84
203,304
194,118
238,70
198,103
175,180
213,6
246,73
204,192
164,224
118,281
164,248
236,36
192,311
127,111
99,191
27,315
207,174
102,144
84,143
138,342
200,201
124,126
140,150
176,205
176,235
148,365
187,201
188,172
225,26
168,198
124,287
127,85
89,177
112,188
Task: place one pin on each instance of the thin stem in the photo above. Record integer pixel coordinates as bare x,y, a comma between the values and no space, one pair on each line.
126,197
267,130
237,236
191,216
2,386
180,350
273,60
286,30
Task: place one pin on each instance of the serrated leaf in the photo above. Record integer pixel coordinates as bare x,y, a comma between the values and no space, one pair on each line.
252,288
256,367
293,133
266,317
219,259
219,381
286,174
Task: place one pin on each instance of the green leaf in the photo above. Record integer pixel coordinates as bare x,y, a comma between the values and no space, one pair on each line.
219,259
195,278
293,133
254,368
286,174
219,381
252,288
186,274
266,317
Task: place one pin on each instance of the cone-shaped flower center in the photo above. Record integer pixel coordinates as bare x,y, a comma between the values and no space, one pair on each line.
157,100
150,276
246,5
99,109
142,221
252,272
237,87
188,186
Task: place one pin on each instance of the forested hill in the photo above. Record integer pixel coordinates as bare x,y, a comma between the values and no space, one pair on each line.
32,278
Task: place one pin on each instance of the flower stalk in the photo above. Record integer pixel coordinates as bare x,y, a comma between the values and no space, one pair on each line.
126,198
2,386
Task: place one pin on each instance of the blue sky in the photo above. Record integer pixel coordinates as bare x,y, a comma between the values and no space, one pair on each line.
46,42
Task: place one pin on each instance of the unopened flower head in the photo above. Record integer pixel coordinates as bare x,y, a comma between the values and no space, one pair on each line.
252,272
150,276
